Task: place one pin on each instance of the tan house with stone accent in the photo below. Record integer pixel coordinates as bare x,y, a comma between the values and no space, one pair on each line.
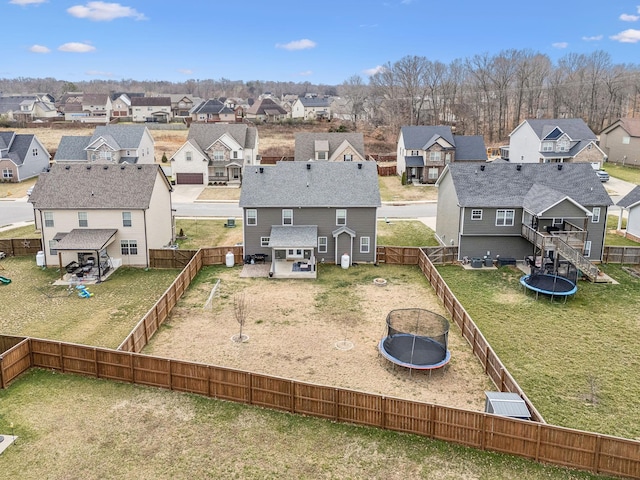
621,141
557,140
332,147
102,215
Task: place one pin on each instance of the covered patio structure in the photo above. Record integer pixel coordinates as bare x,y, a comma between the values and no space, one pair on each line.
293,251
82,254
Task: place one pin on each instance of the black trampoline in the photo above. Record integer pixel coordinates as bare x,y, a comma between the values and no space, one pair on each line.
416,339
547,284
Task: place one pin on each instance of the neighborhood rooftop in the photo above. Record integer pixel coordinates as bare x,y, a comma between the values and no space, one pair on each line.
311,184
505,184
98,186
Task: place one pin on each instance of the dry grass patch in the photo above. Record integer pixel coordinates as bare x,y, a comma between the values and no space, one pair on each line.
220,193
392,190
294,326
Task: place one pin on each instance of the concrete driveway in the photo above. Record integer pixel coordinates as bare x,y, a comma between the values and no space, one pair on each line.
618,188
186,193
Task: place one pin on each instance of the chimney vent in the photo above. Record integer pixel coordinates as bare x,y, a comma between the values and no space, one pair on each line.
518,167
559,166
308,166
359,166
482,167
261,169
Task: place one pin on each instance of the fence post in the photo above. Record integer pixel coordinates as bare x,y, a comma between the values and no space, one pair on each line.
596,454
383,412
1,374
538,432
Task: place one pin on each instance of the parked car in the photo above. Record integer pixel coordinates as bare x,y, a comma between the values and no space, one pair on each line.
602,175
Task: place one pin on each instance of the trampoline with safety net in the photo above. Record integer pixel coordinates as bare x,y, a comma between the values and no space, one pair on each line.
416,339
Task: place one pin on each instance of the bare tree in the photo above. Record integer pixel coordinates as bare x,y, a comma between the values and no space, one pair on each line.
355,92
241,312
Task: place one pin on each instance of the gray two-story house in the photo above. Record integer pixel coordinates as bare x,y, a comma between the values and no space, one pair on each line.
500,209
299,214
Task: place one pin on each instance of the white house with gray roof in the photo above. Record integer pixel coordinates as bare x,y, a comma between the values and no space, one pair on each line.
502,209
557,140
311,108
631,203
111,213
332,147
108,144
22,156
424,151
215,152
297,214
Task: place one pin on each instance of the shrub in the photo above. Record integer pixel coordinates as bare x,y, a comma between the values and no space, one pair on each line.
164,158
404,178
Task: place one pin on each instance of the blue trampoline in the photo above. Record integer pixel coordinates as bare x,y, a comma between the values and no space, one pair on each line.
416,339
551,285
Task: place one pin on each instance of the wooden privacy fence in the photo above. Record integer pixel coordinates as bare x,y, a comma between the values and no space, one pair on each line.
536,441
629,255
17,247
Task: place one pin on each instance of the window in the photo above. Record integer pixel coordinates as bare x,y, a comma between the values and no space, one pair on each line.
321,155
434,156
105,156
82,219
129,247
287,216
476,214
364,244
188,156
557,221
547,146
587,249
504,218
48,219
264,241
34,152
7,173
433,173
219,172
53,247
415,153
322,244
295,253
235,154
447,158
348,157
126,219
626,140
341,216
252,216
595,218
218,155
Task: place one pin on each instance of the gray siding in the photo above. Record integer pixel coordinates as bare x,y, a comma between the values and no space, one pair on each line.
478,246
487,226
596,235
360,220
33,165
565,209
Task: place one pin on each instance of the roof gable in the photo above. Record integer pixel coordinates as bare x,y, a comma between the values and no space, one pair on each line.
417,137
343,147
575,128
305,143
204,134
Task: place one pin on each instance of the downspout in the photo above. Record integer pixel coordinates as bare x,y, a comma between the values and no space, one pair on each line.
44,247
146,244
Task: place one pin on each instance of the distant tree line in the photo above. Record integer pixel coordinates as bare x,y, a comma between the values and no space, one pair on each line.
486,94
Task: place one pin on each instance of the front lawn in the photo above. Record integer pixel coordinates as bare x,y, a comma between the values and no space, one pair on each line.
33,306
406,233
628,174
578,361
392,190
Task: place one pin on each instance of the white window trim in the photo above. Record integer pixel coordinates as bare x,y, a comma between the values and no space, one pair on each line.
365,244
264,241
323,246
252,217
287,213
83,217
338,217
126,218
557,221
48,222
595,217
476,214
587,249
505,217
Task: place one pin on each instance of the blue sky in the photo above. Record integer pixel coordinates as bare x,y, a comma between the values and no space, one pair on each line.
323,42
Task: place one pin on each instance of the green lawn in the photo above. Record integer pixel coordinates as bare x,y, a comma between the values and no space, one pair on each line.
32,306
628,174
406,233
613,239
27,231
578,361
82,428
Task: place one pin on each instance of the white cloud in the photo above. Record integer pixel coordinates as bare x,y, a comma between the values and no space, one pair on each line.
625,17
374,70
594,38
98,73
560,45
627,36
306,73
185,71
27,2
104,12
76,47
297,44
39,49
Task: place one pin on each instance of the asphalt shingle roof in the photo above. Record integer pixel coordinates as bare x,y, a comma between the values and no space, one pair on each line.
293,236
503,185
93,187
576,128
305,143
204,134
417,137
630,198
125,136
470,148
86,238
72,148
322,184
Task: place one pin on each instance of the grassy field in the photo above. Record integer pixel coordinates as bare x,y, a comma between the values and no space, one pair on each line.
628,174
16,190
577,361
26,231
613,238
406,233
32,306
207,233
392,190
82,428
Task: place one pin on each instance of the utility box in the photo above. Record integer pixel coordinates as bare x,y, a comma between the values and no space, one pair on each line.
507,404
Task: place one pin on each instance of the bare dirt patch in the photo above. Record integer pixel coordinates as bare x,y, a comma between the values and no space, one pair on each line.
296,329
